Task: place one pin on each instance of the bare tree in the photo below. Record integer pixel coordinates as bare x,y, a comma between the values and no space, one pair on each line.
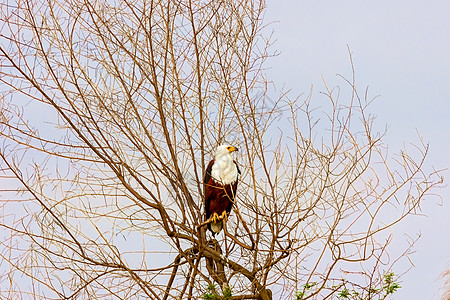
110,112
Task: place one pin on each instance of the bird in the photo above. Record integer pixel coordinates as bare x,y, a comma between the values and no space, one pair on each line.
220,185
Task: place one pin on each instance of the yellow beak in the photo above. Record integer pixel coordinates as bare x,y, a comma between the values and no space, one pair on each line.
232,149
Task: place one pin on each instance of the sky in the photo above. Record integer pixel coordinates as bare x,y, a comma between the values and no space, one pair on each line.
401,50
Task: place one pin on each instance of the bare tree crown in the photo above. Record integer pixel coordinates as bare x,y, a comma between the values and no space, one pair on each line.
109,113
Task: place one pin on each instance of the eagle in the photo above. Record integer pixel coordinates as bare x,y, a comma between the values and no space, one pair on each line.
220,184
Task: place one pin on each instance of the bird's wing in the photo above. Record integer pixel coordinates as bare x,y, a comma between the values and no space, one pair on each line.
239,171
208,172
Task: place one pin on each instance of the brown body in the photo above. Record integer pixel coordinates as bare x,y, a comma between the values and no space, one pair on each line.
218,197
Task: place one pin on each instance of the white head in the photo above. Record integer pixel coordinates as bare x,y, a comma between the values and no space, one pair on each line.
224,151
224,169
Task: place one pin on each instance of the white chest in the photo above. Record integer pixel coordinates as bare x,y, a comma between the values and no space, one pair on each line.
224,171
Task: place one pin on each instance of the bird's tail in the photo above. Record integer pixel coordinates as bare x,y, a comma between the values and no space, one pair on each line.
215,228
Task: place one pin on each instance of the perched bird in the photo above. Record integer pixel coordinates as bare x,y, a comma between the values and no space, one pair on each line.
220,183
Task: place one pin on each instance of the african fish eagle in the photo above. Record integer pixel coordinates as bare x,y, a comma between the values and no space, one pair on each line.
220,183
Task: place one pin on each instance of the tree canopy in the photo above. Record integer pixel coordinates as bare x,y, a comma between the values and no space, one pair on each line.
110,112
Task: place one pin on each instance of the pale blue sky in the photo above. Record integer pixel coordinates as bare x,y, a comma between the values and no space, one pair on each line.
401,50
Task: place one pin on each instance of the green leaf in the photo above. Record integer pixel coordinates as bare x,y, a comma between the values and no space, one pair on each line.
226,293
211,287
299,295
390,286
310,285
344,293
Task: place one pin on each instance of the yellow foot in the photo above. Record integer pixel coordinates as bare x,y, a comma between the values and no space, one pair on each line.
215,218
224,215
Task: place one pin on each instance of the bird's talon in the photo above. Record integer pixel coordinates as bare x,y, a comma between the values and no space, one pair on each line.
215,218
224,216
